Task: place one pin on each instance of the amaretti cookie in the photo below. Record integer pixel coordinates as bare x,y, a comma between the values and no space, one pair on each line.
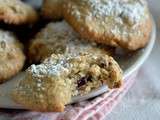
16,12
60,38
51,85
52,9
124,23
11,55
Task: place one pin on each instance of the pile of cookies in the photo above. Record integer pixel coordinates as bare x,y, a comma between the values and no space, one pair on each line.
72,54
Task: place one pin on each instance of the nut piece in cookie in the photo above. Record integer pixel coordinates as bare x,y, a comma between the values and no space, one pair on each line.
50,85
11,55
126,23
52,9
60,38
17,12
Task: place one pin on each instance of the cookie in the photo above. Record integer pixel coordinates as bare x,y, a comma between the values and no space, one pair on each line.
17,12
52,9
124,23
59,38
51,85
11,55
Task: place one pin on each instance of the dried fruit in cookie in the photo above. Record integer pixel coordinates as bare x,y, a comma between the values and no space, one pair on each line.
11,55
59,38
124,23
52,9
16,12
50,85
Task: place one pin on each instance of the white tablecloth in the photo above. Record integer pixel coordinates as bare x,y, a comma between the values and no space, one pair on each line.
143,100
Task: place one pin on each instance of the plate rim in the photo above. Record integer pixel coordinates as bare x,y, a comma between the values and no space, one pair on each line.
148,49
12,105
139,62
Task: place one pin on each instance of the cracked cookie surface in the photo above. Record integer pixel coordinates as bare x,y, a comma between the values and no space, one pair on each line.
60,38
11,55
124,23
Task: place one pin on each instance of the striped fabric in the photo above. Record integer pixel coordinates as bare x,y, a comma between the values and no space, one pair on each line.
96,109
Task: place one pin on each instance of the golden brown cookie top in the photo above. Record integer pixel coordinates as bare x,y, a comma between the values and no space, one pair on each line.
60,38
43,91
11,55
9,45
108,21
123,11
16,12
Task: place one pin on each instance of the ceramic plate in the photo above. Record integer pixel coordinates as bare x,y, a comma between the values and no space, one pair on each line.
129,62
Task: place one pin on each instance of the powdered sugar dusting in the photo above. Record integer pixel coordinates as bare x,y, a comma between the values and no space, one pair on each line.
58,31
49,68
133,10
68,40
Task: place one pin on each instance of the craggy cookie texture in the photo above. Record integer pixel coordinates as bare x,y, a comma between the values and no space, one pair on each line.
60,38
16,12
51,85
52,9
11,55
126,23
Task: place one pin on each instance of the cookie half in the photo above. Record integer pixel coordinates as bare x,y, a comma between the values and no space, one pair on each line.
50,85
124,23
16,12
59,38
11,55
52,9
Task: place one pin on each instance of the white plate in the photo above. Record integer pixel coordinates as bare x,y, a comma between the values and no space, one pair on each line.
129,63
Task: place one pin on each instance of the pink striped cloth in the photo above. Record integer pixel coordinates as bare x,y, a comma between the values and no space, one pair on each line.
95,109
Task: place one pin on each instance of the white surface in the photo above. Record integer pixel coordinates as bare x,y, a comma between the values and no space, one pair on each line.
143,100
